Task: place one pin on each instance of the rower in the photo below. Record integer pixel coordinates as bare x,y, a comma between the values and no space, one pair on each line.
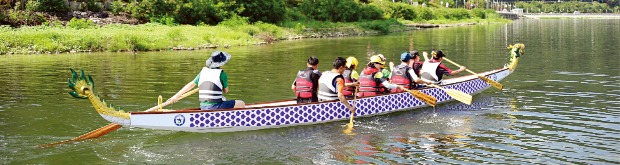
417,64
371,81
433,70
213,83
350,76
386,73
306,83
331,84
404,75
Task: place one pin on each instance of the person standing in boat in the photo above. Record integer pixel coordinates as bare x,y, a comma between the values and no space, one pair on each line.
331,84
350,76
306,83
213,83
371,81
404,75
433,70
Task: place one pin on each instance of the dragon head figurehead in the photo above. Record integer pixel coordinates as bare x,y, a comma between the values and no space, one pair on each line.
516,51
83,86
80,84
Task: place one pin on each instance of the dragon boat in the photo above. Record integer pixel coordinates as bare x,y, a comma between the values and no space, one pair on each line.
287,112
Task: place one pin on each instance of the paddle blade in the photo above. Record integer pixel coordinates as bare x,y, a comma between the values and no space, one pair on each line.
428,99
460,96
491,82
98,132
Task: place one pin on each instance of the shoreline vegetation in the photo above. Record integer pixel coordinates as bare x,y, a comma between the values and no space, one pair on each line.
158,37
53,26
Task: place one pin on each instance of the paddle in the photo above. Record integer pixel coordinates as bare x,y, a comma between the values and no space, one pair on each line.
428,99
457,95
112,126
488,80
350,125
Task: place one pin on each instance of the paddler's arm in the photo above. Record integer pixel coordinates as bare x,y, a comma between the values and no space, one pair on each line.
387,84
183,90
343,100
352,84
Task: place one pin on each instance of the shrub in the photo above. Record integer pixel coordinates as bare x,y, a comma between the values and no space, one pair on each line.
164,20
18,18
235,21
117,7
92,5
53,6
383,26
336,11
479,13
491,14
53,23
423,13
370,12
271,11
396,10
80,23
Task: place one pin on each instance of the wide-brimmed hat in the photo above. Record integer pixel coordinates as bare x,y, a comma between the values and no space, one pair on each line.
218,59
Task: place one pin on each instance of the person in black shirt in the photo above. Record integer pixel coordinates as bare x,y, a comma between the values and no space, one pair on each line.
307,82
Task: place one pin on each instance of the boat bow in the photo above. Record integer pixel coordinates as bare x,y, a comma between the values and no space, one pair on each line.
83,87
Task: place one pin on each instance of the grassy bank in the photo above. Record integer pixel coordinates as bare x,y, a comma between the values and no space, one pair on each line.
79,35
154,36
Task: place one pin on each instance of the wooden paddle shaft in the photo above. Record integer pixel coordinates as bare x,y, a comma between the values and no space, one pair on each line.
454,63
168,103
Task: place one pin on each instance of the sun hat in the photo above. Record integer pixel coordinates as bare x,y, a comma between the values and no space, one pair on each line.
218,59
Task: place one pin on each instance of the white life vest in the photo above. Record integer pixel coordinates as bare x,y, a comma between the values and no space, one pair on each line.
327,90
210,86
429,71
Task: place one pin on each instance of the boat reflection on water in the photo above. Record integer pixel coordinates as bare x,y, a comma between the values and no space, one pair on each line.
426,136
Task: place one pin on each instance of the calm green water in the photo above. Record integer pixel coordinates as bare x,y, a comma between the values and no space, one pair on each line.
561,106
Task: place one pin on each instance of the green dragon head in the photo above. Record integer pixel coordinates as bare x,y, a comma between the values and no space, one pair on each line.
516,51
80,84
83,86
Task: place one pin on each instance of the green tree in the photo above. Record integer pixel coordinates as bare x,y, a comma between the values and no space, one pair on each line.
271,11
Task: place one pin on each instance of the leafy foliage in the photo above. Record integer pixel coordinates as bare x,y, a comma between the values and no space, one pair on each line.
80,23
52,6
565,7
337,11
271,11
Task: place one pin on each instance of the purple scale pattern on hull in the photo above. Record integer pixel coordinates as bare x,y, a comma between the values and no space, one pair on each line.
325,111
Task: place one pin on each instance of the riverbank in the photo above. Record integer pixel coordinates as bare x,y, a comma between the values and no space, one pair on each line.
158,37
571,16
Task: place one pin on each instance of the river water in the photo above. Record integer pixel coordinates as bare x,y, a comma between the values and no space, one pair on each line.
561,105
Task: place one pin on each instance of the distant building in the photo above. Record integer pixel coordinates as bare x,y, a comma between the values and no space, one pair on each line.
518,11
